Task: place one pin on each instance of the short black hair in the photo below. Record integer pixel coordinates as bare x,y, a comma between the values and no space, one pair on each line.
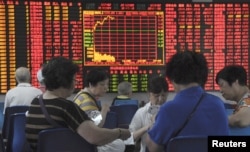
231,73
186,67
94,76
158,84
59,72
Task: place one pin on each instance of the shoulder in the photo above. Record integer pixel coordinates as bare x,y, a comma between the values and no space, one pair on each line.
143,109
60,104
212,98
36,89
210,95
246,100
12,90
81,96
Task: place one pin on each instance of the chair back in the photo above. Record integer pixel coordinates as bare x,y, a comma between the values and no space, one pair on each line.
111,120
125,113
239,131
2,146
8,112
229,106
16,136
126,102
1,114
62,140
188,143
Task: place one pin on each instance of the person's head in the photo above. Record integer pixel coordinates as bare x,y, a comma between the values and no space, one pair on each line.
60,72
40,77
230,80
125,88
22,75
187,67
97,81
158,89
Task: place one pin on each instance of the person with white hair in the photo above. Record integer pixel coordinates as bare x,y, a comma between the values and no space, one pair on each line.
24,92
40,79
124,90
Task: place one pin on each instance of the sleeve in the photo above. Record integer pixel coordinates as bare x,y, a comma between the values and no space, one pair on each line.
163,128
86,103
89,106
75,116
136,122
246,102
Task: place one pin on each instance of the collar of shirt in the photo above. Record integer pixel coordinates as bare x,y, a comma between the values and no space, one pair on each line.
122,97
24,85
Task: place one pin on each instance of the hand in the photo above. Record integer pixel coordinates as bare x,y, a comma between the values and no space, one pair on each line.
124,134
153,118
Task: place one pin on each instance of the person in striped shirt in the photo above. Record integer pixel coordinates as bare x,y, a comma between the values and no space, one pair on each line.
60,78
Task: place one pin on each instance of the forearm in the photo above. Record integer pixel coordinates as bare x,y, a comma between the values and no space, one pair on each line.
100,136
152,146
235,121
138,133
106,136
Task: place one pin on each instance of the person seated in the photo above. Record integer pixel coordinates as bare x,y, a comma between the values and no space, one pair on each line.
96,86
232,80
124,91
24,92
192,111
60,79
144,117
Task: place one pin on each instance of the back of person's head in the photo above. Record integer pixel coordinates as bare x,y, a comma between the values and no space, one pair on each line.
157,84
59,72
94,76
125,88
187,67
231,73
22,75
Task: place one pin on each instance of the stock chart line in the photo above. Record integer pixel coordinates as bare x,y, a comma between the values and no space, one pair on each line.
98,56
124,38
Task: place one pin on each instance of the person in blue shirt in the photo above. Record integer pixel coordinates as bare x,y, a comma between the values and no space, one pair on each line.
188,73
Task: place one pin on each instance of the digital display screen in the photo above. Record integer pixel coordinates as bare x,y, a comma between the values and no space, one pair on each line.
131,41
134,38
220,31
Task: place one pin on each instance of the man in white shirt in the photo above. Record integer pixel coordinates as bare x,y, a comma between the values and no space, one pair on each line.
144,117
24,92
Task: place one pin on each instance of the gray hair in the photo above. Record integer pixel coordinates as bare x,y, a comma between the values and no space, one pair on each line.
22,75
124,88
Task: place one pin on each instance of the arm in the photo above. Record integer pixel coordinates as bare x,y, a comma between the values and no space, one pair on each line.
88,105
100,136
138,133
137,126
240,118
152,146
